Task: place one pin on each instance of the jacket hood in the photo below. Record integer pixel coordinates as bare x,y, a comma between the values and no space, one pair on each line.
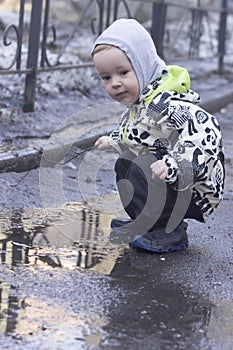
177,80
132,38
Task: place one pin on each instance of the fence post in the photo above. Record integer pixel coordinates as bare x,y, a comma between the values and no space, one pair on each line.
20,26
222,35
45,33
33,50
158,25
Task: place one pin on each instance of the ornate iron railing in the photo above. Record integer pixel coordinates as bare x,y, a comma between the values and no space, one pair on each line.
197,24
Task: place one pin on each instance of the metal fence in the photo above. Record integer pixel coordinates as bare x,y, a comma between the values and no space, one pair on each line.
196,24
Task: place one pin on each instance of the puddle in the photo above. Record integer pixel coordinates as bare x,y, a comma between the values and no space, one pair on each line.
161,312
34,318
73,236
48,298
155,316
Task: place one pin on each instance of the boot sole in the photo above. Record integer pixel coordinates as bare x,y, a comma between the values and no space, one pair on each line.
138,244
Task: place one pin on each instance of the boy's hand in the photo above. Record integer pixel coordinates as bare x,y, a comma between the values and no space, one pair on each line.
159,170
103,143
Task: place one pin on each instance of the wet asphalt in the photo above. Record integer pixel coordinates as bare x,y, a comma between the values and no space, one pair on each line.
64,284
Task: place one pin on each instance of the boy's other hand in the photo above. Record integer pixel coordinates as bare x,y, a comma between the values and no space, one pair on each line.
103,143
159,170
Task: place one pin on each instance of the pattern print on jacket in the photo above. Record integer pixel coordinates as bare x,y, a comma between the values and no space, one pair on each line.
185,136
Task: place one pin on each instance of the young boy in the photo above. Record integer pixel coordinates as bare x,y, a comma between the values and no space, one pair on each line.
171,162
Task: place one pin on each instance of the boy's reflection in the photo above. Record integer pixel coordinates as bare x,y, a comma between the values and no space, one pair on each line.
153,311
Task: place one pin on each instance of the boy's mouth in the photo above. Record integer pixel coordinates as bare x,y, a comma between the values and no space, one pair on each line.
121,94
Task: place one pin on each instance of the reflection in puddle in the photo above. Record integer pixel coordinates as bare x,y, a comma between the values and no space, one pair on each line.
69,237
8,308
35,318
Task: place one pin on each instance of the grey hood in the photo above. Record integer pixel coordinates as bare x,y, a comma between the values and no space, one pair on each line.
136,42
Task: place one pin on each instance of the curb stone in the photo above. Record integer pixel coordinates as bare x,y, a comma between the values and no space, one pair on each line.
30,158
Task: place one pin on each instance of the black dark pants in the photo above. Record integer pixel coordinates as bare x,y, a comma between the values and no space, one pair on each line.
151,203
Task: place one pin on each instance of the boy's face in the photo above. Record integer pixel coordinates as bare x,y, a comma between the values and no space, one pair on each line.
118,75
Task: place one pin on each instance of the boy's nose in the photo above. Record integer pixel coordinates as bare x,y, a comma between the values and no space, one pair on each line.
116,82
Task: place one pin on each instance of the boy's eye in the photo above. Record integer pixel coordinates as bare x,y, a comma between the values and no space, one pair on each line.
124,72
105,77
